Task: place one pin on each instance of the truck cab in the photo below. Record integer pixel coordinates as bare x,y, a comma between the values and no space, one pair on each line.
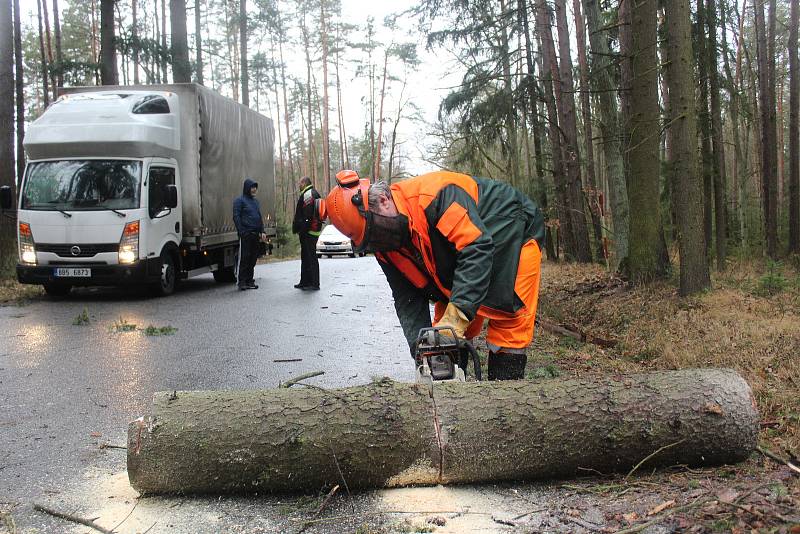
99,221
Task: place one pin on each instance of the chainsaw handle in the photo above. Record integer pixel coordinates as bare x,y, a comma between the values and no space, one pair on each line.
476,360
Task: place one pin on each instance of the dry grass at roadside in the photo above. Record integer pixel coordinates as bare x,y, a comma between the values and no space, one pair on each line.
14,293
737,324
749,321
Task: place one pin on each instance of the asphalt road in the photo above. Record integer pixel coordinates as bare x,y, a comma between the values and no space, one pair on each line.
66,389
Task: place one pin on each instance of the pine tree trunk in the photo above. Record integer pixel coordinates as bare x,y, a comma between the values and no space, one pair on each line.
326,141
345,162
389,434
59,64
181,68
593,193
164,41
533,89
198,43
8,234
19,83
311,166
772,220
281,35
794,132
583,250
51,70
108,55
376,172
610,131
767,105
704,119
549,76
243,68
739,163
687,189
646,255
45,85
135,41
720,176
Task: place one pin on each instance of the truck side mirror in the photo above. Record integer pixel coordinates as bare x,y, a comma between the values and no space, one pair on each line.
171,196
6,199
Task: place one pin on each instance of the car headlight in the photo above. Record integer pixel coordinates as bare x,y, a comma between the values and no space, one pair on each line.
27,248
129,243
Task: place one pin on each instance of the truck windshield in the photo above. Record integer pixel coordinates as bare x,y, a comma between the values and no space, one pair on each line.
82,185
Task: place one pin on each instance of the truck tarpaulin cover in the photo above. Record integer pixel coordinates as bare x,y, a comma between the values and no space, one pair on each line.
235,143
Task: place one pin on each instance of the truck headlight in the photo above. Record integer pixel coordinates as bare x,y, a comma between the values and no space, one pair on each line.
129,243
27,249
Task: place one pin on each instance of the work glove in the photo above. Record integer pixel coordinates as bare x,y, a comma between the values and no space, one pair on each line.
455,319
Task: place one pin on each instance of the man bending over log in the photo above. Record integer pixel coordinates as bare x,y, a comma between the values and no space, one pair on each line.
471,245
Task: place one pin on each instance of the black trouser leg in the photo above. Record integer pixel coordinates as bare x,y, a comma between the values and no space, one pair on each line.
309,264
248,255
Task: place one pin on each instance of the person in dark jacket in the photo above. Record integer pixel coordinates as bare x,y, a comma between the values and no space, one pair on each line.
308,225
250,226
471,245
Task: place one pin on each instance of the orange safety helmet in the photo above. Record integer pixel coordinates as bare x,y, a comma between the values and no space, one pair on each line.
347,206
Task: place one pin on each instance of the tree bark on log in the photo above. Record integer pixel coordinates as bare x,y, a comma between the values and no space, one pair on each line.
389,434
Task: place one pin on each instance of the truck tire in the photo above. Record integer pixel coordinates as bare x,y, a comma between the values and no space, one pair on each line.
57,290
226,275
168,280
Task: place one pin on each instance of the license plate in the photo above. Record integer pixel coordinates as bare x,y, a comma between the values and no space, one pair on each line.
72,272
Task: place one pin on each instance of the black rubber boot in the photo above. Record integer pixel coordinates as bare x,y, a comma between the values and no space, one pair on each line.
507,366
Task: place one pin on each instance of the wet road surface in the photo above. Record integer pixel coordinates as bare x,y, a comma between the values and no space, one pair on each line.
65,389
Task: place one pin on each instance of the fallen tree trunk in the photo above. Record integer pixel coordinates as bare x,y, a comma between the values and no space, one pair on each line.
389,434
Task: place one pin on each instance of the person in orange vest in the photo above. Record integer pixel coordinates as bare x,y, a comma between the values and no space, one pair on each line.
471,245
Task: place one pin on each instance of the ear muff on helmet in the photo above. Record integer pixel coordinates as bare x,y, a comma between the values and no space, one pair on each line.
348,207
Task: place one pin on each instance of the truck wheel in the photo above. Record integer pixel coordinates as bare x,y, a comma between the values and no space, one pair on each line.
169,276
57,290
226,275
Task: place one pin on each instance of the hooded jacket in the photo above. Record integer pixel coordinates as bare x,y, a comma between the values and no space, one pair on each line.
247,211
466,237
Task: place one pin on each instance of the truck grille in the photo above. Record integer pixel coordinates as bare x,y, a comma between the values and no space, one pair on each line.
82,250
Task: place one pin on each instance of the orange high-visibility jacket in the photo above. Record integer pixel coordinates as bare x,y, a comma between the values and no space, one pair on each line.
466,236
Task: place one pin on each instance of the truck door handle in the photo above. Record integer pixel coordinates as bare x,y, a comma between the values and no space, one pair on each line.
177,227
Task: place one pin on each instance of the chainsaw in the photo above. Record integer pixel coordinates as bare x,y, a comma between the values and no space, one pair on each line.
441,356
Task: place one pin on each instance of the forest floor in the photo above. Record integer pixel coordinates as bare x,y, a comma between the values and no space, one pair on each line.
749,321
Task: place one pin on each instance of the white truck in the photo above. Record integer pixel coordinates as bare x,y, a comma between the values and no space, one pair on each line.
135,185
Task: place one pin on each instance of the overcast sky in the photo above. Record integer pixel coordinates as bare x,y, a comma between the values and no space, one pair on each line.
426,87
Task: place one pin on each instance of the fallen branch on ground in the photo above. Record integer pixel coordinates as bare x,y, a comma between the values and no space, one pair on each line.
769,454
292,381
69,517
581,336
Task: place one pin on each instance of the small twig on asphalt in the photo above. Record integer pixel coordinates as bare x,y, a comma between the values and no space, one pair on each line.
769,454
111,446
149,529
69,517
330,495
584,524
665,447
127,516
295,380
341,475
520,516
284,360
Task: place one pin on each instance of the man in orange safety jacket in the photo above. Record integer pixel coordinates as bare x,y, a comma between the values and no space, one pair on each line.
471,245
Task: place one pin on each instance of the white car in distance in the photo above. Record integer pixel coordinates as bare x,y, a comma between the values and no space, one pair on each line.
332,242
